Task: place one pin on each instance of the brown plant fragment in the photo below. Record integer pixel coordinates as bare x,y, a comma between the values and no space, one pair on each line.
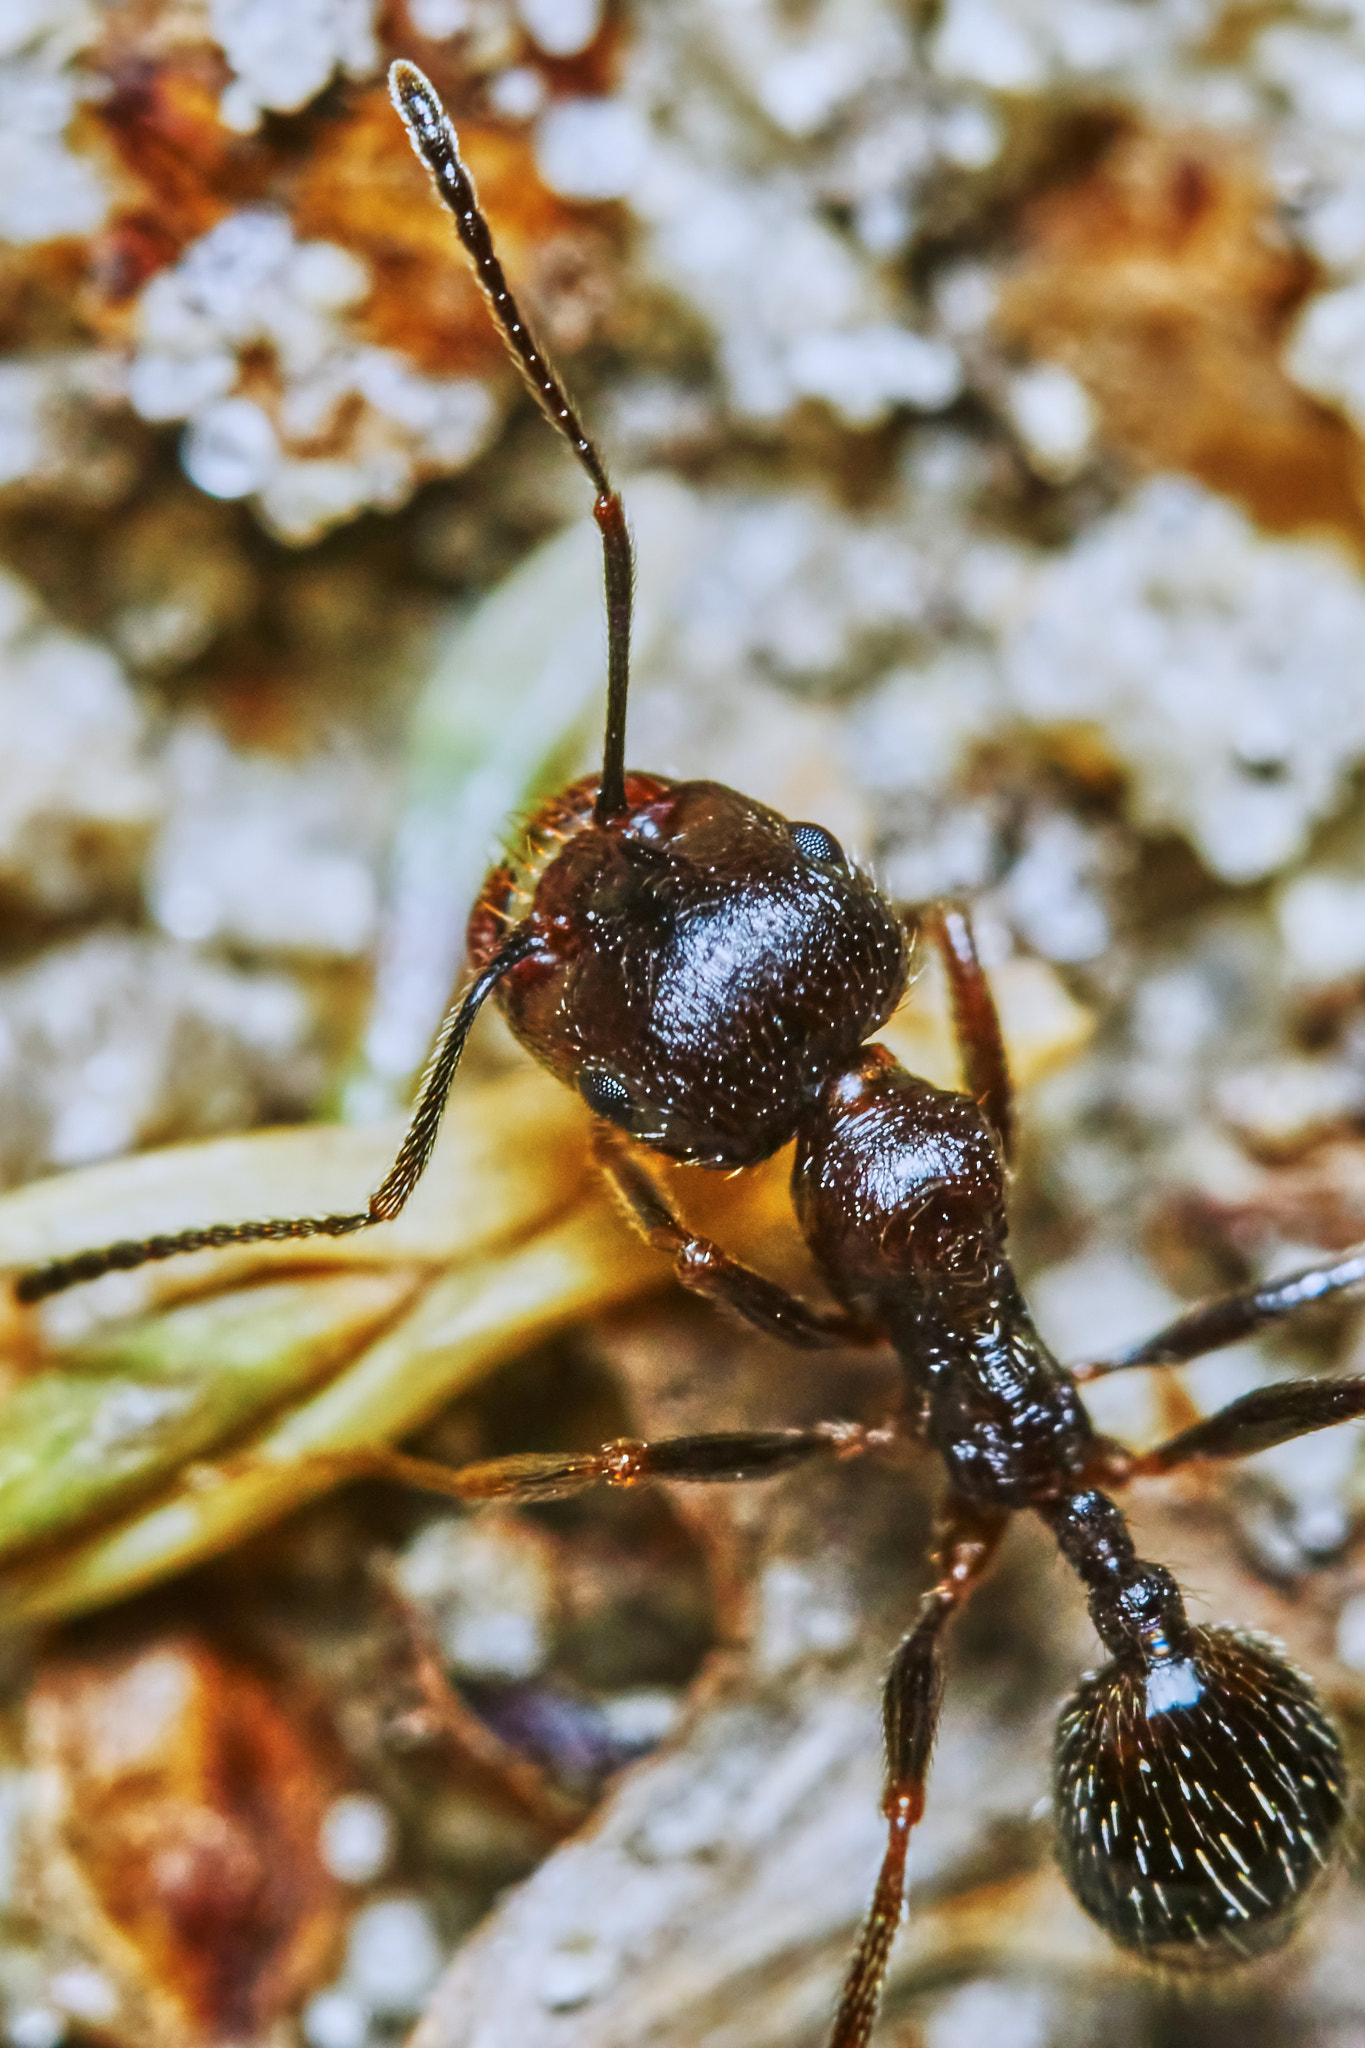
175,1838
1161,280
175,167
162,124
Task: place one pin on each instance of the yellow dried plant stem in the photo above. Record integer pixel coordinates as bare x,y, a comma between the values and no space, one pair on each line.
511,1152
465,1323
102,1425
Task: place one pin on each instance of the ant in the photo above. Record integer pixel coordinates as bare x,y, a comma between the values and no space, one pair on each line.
707,975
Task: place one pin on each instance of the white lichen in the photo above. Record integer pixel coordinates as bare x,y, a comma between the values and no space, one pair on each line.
561,28
249,285
1321,919
266,854
790,588
1013,46
1055,419
79,796
357,1838
393,1955
59,427
489,1586
116,1040
282,57
46,188
829,111
1221,667
591,148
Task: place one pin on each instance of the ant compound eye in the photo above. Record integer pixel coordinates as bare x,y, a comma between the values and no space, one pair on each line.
813,843
606,1096
1198,1798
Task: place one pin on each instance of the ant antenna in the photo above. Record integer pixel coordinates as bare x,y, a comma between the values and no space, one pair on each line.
384,1204
432,135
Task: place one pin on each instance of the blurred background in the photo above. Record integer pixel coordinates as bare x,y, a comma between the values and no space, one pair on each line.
986,379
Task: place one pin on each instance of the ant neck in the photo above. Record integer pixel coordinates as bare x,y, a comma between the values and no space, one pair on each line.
1136,1606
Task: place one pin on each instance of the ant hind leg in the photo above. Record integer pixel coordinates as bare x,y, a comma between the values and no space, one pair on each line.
1268,1416
967,1539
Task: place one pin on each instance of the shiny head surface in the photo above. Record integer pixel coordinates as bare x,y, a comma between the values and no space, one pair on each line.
697,966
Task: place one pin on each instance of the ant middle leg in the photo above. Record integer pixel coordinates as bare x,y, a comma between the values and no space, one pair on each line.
967,1537
707,1270
725,1457
1268,1415
1209,1325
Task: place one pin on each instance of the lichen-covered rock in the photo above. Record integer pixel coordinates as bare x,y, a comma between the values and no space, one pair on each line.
293,298
249,287
116,1040
79,796
265,854
1222,668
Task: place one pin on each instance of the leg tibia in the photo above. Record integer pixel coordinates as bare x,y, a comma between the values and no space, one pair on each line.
704,1268
910,1710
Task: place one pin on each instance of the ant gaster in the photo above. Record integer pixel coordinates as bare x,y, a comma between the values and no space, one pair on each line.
707,975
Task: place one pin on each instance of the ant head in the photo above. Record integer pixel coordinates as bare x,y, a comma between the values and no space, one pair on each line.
690,961
1198,1797
896,1180
697,965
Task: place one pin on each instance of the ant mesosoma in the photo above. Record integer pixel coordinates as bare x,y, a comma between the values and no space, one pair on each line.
707,975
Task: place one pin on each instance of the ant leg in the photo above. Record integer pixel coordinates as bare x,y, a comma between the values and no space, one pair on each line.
384,1204
1211,1324
976,1020
967,1538
705,1268
1270,1415
626,1461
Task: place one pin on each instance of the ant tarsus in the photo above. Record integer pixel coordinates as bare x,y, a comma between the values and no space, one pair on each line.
708,975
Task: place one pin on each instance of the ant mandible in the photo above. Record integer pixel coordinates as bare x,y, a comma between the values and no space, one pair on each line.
707,975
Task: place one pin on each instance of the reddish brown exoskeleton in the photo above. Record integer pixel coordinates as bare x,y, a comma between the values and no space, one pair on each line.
707,975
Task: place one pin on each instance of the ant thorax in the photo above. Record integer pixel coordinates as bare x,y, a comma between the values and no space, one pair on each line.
899,1187
696,966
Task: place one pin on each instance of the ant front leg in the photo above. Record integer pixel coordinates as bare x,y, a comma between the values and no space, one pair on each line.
976,1021
910,1709
706,1269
